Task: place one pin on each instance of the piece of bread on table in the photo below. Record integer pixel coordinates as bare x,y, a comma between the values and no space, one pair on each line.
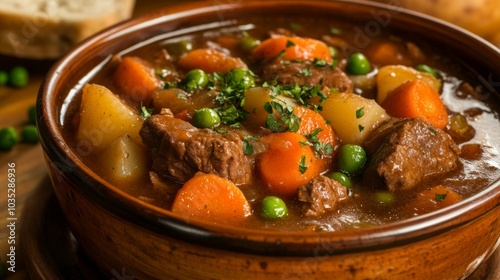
47,29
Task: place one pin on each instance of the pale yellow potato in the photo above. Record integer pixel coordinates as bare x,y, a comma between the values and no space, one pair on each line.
124,162
104,117
255,98
392,76
351,128
481,17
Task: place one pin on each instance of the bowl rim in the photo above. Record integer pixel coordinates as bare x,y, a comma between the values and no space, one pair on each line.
59,156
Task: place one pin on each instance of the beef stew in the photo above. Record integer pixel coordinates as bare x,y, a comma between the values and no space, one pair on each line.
275,109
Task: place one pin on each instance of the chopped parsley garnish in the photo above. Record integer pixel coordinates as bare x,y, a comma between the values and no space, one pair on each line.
306,72
440,196
231,115
167,85
230,94
146,112
320,148
247,148
280,54
361,128
289,43
360,112
432,130
220,130
302,165
304,93
287,121
319,63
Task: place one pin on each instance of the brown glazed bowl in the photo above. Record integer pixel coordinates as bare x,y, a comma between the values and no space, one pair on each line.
123,234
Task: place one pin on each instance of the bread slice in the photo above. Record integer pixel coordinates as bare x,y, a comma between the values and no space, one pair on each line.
46,29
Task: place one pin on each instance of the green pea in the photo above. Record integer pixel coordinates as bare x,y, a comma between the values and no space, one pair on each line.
384,198
19,77
4,78
29,134
32,114
196,79
179,48
351,159
358,64
274,207
240,78
206,118
8,138
341,178
249,43
426,69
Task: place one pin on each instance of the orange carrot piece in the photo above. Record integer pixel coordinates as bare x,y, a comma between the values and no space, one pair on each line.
211,198
432,199
311,121
228,42
387,53
210,61
290,48
416,99
287,164
136,78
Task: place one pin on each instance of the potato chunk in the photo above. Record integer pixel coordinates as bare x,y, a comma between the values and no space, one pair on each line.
352,116
255,98
392,76
124,162
104,117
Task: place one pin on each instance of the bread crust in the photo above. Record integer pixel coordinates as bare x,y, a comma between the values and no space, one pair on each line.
50,34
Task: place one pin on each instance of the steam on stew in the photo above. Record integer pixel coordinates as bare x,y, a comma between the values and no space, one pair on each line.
288,127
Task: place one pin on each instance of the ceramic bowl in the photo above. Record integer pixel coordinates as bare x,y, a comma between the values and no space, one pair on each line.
125,236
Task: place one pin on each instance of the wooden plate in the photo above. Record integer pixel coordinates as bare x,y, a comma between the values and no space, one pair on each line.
51,252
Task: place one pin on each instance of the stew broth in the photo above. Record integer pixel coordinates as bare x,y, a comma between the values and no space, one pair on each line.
365,205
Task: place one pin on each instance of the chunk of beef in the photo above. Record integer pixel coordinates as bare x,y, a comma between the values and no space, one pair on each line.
305,73
180,150
321,195
405,151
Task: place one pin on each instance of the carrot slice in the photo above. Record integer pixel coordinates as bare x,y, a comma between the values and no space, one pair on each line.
290,48
431,200
210,61
287,164
310,122
136,78
416,99
387,53
228,42
211,198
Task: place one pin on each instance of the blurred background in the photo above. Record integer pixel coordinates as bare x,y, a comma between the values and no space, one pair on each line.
481,17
